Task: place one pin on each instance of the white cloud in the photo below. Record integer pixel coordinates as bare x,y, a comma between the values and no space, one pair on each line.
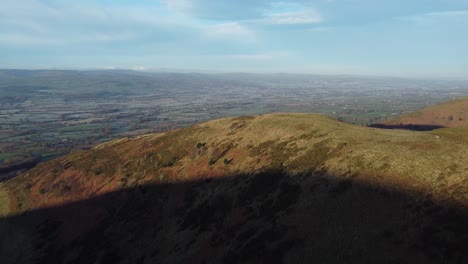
183,6
221,10
30,23
447,13
230,30
319,29
18,39
290,13
256,56
421,18
292,18
139,68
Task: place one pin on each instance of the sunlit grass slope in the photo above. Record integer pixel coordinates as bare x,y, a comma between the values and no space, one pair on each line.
453,113
295,143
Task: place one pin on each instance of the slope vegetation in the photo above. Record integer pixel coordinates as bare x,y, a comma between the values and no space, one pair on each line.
448,121
448,114
273,188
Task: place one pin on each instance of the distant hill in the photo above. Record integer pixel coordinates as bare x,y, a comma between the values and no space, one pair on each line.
453,113
278,188
448,120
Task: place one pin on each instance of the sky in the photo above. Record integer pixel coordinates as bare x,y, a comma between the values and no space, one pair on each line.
408,38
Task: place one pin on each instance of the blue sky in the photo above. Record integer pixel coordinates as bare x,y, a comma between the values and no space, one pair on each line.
413,38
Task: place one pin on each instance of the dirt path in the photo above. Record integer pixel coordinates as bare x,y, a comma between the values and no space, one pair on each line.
451,139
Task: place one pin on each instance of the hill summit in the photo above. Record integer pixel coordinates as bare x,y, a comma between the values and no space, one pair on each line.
273,188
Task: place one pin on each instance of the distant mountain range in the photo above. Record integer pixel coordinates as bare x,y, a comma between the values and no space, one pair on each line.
277,188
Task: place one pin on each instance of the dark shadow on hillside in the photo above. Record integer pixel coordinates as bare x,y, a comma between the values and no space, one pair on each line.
266,218
408,127
10,170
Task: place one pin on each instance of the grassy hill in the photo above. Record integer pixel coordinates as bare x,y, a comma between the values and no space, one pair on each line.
448,120
449,114
273,188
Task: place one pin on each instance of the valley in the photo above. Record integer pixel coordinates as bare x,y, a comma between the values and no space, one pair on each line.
46,114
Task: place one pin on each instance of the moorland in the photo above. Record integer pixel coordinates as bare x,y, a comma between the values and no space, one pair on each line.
275,188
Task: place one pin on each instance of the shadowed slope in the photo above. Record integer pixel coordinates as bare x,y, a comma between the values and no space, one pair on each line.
419,127
270,217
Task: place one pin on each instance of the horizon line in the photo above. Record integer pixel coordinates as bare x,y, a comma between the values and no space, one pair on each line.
220,72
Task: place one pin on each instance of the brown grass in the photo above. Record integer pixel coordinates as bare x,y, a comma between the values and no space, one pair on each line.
448,114
296,143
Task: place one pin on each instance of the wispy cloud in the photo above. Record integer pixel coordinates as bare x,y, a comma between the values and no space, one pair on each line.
227,10
267,11
231,29
292,18
291,13
236,34
183,6
435,15
255,56
319,29
40,23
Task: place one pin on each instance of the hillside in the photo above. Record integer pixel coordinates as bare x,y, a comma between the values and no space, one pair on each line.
449,114
274,188
448,120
